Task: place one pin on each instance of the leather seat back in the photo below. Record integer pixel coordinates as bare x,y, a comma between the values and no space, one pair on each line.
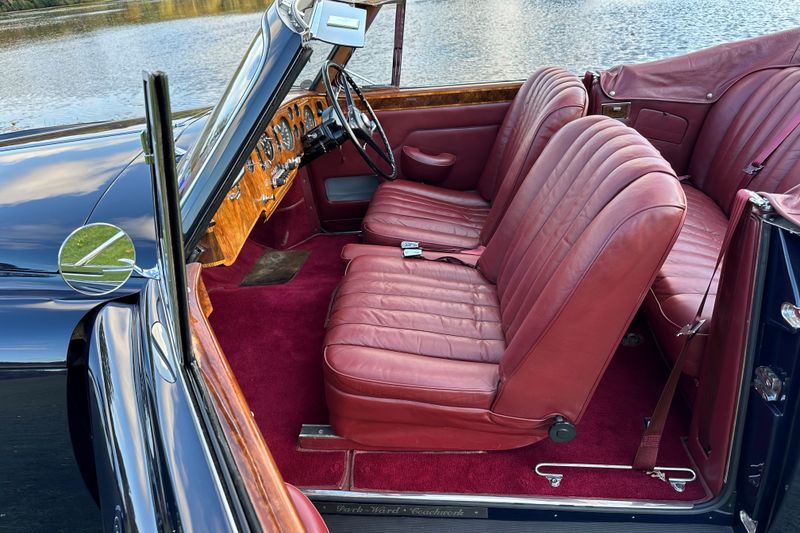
739,125
573,258
550,98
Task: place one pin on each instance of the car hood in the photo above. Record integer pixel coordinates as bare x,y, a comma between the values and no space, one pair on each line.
51,186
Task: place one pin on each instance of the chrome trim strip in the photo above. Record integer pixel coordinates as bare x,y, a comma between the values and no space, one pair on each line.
533,502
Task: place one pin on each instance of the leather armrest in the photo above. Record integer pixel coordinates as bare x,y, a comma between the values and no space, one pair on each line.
422,166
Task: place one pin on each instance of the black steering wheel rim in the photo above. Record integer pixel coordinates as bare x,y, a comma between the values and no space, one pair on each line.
358,126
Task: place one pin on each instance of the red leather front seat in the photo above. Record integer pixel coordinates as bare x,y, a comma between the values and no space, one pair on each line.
444,219
428,355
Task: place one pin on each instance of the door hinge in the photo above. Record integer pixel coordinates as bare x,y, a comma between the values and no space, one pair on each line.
768,384
759,201
749,524
148,155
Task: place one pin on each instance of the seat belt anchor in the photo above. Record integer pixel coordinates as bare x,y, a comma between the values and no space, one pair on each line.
690,330
409,245
753,168
412,252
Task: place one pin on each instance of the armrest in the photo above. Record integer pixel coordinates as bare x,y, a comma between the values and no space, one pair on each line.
418,165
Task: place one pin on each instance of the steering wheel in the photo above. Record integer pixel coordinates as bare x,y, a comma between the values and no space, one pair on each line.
360,126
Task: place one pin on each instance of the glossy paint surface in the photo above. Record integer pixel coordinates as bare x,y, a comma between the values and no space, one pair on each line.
41,487
49,189
53,186
766,458
154,469
150,462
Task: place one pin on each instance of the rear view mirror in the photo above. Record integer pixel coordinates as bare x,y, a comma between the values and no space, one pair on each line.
338,23
96,259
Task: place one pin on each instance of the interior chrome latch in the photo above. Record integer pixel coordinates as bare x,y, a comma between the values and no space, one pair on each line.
663,473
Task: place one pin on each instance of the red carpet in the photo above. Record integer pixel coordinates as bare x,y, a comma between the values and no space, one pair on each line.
272,336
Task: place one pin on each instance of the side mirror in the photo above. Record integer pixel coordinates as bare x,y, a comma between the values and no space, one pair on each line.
96,259
338,23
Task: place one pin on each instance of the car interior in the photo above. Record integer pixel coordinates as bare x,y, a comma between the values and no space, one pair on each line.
468,286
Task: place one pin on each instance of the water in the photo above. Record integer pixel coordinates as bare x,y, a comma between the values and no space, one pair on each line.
82,64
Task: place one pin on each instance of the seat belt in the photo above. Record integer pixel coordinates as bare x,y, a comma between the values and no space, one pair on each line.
761,157
647,454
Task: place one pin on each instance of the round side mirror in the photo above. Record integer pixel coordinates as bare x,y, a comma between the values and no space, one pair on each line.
96,259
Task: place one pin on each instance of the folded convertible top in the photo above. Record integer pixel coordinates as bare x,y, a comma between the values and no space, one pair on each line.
702,76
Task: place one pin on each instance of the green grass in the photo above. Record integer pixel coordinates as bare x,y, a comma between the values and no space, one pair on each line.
89,239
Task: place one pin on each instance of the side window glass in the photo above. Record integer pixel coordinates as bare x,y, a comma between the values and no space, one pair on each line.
450,42
374,61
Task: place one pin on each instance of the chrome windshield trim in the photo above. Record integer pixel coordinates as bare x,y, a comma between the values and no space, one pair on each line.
534,502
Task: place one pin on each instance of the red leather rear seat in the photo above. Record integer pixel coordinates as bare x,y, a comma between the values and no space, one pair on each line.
433,355
443,219
736,129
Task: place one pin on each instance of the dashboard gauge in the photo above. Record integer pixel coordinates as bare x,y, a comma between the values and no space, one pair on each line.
287,138
320,108
308,118
269,150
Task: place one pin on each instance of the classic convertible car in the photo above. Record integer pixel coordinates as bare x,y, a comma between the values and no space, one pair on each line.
568,300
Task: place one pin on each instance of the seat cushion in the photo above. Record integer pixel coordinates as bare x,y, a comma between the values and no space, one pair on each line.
679,286
418,330
439,219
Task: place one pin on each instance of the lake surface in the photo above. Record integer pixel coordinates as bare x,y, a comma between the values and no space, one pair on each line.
83,64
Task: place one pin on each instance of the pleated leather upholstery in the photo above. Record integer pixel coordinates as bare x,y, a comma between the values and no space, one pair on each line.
443,219
439,219
433,355
737,127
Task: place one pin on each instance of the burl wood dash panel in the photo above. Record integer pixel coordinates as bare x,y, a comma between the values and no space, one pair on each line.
265,179
454,95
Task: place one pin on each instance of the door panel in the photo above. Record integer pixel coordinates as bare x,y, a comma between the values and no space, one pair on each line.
672,127
462,121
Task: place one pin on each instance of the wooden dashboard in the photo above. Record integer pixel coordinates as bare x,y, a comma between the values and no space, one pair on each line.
264,180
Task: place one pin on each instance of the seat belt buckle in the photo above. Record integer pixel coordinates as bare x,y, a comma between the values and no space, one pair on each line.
412,252
753,168
409,245
689,330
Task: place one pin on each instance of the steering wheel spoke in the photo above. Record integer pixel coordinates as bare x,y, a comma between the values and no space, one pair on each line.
359,125
369,141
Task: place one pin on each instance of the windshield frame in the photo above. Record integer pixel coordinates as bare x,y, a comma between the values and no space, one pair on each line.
219,121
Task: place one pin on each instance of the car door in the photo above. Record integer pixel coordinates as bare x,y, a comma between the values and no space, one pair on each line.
158,465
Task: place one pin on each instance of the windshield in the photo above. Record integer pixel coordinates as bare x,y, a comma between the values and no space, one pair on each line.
221,116
319,54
